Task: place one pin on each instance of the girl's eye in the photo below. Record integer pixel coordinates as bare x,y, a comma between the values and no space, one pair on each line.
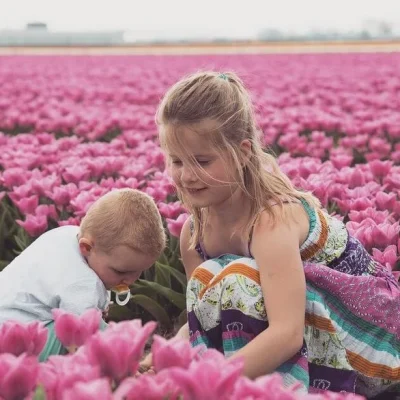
176,162
203,162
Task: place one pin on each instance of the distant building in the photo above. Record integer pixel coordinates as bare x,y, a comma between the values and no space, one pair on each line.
37,34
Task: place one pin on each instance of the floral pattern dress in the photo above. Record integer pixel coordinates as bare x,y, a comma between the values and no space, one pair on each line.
352,329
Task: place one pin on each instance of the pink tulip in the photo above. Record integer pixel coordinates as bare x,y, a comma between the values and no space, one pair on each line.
373,156
18,376
356,178
341,161
175,226
358,204
76,173
308,167
20,192
34,225
82,202
170,210
371,213
86,187
28,205
74,330
388,257
63,194
359,141
158,194
379,145
14,177
70,221
212,376
368,190
362,231
395,156
17,338
60,373
43,184
149,387
392,180
121,183
385,234
385,201
98,389
172,353
271,384
119,349
47,210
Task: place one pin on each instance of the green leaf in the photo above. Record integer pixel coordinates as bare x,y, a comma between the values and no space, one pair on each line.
22,242
3,264
120,313
137,288
177,299
40,393
179,276
3,218
153,308
163,276
182,318
163,259
149,274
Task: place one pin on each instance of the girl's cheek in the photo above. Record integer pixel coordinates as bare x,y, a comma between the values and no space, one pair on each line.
175,175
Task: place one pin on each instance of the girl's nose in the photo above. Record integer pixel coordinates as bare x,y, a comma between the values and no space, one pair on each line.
188,175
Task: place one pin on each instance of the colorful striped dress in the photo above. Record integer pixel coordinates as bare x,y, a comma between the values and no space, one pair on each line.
352,329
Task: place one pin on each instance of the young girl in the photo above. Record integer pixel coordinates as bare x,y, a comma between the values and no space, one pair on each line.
272,278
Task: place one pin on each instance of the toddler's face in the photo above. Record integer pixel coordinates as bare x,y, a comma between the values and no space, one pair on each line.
121,266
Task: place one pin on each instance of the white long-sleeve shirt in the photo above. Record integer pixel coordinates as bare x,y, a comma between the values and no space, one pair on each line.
50,273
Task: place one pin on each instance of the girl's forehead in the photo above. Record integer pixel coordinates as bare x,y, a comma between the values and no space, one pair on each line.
187,139
203,129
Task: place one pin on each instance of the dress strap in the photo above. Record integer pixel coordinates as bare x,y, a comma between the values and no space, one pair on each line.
199,246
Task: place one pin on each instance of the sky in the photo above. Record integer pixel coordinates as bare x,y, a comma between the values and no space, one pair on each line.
179,19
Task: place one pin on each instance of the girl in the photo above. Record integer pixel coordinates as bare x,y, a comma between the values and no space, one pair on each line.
272,278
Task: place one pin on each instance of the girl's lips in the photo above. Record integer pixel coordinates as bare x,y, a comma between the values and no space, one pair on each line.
195,190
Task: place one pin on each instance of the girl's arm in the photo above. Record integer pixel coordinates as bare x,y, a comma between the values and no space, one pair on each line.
276,251
190,259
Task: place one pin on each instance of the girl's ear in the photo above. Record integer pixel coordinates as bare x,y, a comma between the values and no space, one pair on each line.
246,151
85,246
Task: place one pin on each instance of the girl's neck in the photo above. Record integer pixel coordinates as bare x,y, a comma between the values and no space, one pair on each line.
231,210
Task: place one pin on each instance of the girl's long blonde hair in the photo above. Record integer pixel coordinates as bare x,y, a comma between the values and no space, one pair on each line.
223,99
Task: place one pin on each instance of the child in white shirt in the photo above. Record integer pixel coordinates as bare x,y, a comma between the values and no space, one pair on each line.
72,267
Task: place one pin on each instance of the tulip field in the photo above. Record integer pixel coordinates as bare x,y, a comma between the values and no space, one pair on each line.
74,127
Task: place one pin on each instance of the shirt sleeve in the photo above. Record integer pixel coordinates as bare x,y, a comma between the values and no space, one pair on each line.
83,295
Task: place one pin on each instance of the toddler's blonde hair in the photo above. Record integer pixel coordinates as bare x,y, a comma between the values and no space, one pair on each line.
125,217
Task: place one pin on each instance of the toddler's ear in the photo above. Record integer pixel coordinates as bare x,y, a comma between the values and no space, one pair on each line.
85,246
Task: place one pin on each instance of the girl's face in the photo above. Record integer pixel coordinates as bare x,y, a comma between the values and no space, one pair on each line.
204,177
